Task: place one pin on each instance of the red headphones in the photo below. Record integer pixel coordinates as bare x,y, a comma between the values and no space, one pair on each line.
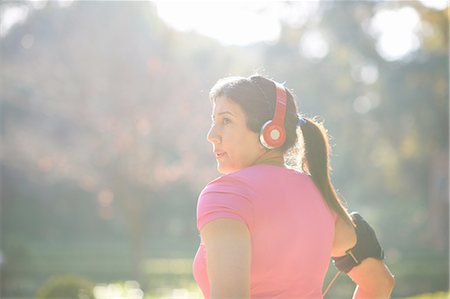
272,133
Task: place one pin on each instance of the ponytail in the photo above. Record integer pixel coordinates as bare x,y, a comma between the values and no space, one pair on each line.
316,162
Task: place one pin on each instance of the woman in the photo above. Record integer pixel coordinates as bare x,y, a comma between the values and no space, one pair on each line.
268,230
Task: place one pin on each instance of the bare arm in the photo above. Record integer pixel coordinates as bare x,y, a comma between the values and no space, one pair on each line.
373,279
372,276
228,258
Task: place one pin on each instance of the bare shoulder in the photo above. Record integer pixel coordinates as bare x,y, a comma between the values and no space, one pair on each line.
344,237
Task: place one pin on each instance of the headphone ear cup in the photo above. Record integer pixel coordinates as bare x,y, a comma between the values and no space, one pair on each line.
271,135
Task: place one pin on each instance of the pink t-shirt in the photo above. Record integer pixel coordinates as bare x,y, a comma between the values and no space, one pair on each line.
291,227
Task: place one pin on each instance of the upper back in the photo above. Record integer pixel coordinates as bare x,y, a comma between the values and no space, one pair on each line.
292,230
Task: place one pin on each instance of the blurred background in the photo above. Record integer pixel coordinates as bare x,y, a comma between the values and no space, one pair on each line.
104,113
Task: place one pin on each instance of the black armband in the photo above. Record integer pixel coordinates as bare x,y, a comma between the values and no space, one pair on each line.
367,245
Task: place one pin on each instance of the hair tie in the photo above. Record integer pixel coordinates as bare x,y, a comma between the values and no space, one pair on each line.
300,120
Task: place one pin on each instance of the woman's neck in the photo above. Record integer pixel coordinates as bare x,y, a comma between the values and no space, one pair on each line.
271,157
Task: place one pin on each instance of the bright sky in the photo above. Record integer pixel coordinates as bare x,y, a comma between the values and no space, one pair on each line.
232,23
246,22
241,23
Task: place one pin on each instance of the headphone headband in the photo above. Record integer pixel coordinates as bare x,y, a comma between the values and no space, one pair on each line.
280,106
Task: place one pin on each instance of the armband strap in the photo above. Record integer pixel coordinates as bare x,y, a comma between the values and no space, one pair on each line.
367,245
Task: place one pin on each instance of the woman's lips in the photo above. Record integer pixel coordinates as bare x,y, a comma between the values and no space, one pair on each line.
220,154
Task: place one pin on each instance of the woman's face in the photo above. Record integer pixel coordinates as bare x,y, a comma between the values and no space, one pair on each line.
234,145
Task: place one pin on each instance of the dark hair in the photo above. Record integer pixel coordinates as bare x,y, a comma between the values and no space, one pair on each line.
256,95
316,161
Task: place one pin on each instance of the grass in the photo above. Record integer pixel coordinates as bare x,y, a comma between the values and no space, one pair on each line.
169,275
436,295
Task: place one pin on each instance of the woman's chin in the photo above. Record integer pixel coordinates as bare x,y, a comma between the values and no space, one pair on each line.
222,170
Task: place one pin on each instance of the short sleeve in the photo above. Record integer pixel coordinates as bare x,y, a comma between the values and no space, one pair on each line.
225,197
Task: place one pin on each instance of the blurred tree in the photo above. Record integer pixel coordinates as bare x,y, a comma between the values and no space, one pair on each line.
107,96
91,94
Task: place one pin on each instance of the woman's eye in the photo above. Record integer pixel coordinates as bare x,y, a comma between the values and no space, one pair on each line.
226,121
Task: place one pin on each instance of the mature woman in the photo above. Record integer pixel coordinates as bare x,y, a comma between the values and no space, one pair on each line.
268,228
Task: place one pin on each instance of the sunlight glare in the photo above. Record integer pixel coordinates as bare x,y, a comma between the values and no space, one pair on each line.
127,290
235,23
313,45
366,73
11,16
396,32
436,4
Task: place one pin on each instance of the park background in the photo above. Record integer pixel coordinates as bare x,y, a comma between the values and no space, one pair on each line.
104,113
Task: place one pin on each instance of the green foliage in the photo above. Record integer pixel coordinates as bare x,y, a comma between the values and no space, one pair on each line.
67,287
437,295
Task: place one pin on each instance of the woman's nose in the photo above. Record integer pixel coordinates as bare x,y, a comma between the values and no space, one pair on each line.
212,136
